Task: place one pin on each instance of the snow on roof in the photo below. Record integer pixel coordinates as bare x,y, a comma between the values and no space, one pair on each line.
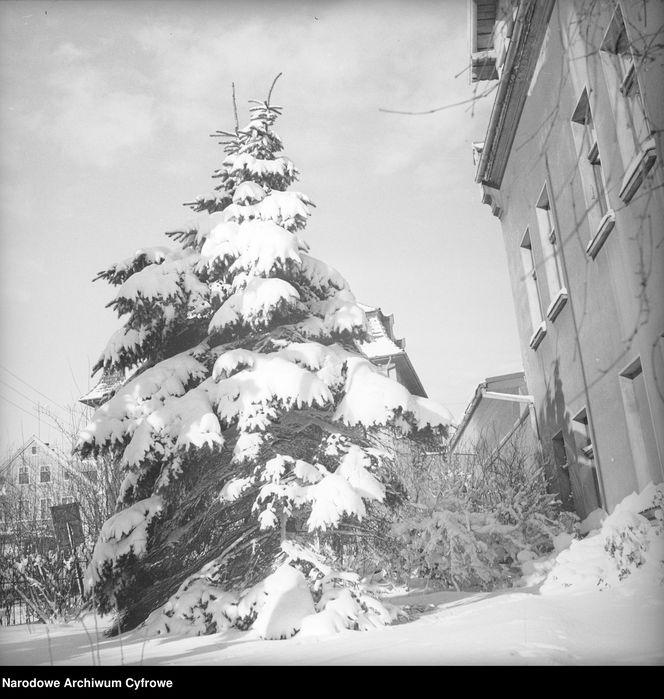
109,383
366,308
381,344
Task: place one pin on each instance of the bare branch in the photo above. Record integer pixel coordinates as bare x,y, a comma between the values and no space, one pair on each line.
474,98
269,94
237,122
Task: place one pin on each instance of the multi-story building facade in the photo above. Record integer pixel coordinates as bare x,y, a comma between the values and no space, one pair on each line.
35,478
572,166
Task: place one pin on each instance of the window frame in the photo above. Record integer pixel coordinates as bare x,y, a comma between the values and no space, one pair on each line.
24,475
633,129
639,421
553,267
603,221
533,295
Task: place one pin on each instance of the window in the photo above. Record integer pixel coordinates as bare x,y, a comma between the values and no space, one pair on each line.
582,434
23,475
538,326
482,21
551,251
647,464
584,474
45,473
600,215
636,146
34,450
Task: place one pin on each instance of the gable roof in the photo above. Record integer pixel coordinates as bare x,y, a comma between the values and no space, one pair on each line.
32,441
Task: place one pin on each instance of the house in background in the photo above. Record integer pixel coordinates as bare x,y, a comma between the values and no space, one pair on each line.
388,353
36,477
500,411
572,166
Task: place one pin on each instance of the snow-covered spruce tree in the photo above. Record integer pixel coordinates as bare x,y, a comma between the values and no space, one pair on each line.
243,429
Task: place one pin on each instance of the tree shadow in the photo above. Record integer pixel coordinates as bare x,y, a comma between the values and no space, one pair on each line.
571,472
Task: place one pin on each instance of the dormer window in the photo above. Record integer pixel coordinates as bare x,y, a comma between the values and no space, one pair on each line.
482,51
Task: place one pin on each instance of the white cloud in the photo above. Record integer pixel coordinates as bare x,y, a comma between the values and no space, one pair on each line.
339,68
69,52
95,125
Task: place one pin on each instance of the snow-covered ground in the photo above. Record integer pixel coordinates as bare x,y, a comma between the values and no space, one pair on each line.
617,626
598,600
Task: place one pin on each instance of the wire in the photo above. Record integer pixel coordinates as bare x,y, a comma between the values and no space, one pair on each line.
21,394
50,400
31,414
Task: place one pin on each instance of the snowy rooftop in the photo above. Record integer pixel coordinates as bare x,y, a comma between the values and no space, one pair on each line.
382,343
107,386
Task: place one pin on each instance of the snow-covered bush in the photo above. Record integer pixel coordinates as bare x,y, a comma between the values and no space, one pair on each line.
246,419
490,514
304,594
626,544
626,540
45,583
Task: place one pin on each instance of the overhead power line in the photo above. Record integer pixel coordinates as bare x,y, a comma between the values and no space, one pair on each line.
20,393
36,390
39,416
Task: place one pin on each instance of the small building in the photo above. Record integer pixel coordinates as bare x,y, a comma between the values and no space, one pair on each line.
500,410
571,165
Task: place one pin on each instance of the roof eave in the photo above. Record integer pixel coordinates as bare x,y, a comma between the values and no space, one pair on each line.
529,28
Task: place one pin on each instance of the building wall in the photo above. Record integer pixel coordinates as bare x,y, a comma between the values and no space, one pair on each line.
29,502
488,421
586,365
492,426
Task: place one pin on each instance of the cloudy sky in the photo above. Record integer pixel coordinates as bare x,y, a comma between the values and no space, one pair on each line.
105,113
